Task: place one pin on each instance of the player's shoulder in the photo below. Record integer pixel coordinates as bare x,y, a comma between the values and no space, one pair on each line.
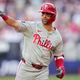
32,23
39,24
58,35
29,22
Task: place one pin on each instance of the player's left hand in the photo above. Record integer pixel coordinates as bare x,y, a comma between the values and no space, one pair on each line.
60,72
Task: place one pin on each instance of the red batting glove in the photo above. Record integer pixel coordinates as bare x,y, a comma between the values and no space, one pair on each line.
60,72
60,67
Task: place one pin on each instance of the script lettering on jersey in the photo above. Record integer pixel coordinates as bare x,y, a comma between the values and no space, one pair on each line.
47,44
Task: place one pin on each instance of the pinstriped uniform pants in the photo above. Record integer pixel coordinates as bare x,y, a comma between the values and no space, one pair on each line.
27,72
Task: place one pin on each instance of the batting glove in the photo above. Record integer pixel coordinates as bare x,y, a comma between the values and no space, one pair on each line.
60,72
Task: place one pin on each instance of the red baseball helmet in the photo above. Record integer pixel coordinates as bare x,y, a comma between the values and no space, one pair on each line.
48,8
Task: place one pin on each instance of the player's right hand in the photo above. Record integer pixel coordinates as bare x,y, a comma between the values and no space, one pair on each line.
60,72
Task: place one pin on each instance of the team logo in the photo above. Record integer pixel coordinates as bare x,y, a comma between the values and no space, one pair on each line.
47,43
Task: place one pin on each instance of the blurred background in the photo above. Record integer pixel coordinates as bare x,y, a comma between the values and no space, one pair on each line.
68,23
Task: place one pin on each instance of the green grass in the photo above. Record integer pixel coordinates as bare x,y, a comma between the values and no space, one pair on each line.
7,78
68,77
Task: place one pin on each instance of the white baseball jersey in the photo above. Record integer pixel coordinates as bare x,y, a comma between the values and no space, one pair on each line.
39,44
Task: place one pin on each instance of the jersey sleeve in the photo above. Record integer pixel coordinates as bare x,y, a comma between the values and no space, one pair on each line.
57,44
27,26
59,49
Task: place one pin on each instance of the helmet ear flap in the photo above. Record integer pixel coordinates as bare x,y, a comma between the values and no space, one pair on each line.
52,19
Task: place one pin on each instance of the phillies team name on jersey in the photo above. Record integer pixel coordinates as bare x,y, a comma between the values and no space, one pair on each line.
47,43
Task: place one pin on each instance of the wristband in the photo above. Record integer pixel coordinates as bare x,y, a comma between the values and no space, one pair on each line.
4,17
59,62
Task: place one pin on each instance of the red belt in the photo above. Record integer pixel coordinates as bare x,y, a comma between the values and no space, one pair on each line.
37,66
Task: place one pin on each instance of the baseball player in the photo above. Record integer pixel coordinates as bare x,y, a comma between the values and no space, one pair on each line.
41,41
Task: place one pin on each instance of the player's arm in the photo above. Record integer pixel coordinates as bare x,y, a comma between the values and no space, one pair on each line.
11,22
59,61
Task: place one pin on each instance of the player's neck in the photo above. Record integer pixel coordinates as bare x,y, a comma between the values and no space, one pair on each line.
48,27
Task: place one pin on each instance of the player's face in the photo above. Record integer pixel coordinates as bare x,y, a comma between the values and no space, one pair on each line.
45,18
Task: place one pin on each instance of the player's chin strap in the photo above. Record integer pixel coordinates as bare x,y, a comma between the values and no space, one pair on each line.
59,61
